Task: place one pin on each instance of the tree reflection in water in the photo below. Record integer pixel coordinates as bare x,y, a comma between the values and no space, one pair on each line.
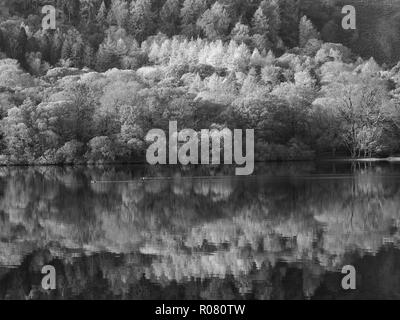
282,234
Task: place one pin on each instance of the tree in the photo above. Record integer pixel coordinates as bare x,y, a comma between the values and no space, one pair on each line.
35,63
2,41
119,12
70,152
357,101
18,136
170,17
298,99
266,21
86,10
101,149
45,46
82,107
256,59
89,57
135,58
239,10
56,47
141,19
77,53
240,59
71,38
215,22
191,11
12,76
290,18
107,57
260,23
121,48
271,75
66,50
307,31
22,42
71,9
102,14
241,33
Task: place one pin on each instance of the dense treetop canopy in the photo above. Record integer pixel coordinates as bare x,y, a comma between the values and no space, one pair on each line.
90,90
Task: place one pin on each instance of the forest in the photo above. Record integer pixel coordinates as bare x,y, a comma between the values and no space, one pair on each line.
90,90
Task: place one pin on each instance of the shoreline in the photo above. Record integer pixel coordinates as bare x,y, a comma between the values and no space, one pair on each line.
83,164
388,159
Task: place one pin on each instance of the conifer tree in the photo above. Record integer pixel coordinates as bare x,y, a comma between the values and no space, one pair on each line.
22,42
141,19
118,13
107,58
290,18
240,59
307,31
66,50
190,13
2,41
121,49
240,33
270,58
239,9
77,53
45,47
170,17
88,57
256,60
266,24
272,12
260,23
86,10
56,47
215,22
102,14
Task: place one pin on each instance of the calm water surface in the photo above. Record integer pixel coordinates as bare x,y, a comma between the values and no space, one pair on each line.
284,233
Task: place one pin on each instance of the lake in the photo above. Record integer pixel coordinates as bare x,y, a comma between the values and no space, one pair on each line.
201,233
